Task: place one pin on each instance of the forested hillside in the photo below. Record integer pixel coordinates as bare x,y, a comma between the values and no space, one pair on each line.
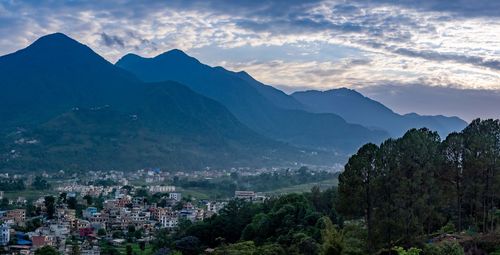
409,189
412,195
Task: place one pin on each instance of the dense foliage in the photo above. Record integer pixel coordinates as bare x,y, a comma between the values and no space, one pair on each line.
291,224
11,185
406,189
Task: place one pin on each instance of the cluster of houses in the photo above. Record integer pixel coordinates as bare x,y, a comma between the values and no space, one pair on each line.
119,212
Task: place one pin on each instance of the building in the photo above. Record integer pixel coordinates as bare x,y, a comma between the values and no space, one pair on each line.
175,196
17,216
245,195
89,212
169,221
40,241
4,234
161,189
214,207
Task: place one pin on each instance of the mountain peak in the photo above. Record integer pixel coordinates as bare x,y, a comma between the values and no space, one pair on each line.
55,39
174,53
344,92
55,50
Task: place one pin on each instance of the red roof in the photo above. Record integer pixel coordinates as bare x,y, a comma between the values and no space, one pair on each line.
39,241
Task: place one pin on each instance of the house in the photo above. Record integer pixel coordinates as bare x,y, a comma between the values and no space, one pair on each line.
175,196
161,189
4,234
89,212
40,241
245,195
214,207
85,232
17,216
169,221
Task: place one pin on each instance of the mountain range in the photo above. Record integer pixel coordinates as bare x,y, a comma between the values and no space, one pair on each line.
281,119
62,106
356,108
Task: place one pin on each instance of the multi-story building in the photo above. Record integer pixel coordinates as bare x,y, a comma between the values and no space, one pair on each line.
4,234
161,189
16,216
169,221
175,196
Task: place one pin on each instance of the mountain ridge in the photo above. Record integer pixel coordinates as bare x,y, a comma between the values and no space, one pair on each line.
249,100
357,108
82,112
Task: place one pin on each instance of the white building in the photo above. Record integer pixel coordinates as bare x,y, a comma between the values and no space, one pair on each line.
161,189
243,194
175,196
168,221
214,207
4,234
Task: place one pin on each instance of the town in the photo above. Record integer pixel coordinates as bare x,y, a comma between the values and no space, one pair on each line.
98,210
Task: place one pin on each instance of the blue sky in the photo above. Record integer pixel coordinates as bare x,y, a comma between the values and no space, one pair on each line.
403,53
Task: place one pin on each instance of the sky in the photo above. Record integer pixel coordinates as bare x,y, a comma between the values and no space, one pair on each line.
427,56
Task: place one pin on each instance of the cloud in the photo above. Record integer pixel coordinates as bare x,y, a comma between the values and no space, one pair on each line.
464,8
430,100
292,43
112,40
436,56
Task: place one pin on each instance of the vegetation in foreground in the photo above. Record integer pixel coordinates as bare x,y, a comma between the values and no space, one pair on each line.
413,195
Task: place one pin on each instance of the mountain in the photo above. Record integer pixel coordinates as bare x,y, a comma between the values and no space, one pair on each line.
62,106
356,108
276,96
262,108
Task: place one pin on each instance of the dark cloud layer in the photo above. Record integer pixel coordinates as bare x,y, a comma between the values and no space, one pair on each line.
112,40
461,8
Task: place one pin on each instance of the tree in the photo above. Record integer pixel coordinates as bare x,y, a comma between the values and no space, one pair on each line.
101,232
46,250
332,240
481,168
4,204
62,197
142,246
129,249
75,248
72,203
270,249
40,184
142,192
50,206
356,187
88,199
107,249
453,151
241,248
189,245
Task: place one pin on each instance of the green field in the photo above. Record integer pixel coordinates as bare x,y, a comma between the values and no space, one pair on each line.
304,187
29,194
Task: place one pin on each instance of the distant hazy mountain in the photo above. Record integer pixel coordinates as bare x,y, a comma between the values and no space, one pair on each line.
263,108
62,106
356,108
